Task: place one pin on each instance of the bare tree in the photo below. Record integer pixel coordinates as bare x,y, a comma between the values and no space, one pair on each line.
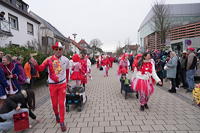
127,41
161,19
95,45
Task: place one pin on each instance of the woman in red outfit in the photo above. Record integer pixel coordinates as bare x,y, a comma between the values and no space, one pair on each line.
143,79
76,70
105,63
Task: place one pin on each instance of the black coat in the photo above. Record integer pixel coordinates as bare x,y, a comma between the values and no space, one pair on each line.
12,102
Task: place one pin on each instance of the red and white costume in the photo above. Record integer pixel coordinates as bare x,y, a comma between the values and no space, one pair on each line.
111,59
58,69
123,65
105,63
143,80
84,70
76,69
135,62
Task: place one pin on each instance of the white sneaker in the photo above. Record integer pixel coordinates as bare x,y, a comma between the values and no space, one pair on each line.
177,88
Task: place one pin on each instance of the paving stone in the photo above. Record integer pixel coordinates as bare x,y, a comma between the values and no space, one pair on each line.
82,124
126,123
138,122
74,130
104,123
134,128
146,128
170,127
92,124
148,122
98,129
40,130
122,128
86,130
115,123
110,129
158,127
51,130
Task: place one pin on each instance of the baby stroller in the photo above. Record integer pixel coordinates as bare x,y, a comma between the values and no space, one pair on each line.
75,96
126,86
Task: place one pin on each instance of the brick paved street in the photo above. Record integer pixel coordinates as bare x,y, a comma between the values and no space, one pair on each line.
107,111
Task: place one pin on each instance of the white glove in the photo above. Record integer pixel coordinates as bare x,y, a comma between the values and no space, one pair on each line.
166,68
28,81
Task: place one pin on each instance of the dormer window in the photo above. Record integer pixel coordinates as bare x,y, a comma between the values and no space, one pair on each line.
18,4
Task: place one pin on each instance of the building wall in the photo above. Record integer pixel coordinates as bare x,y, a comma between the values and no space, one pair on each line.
74,49
20,36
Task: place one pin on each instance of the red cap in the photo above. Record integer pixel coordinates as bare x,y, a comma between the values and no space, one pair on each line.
191,49
57,45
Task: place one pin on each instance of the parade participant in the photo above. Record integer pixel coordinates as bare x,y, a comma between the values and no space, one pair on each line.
111,59
11,71
123,64
105,63
76,70
58,69
135,61
142,80
89,68
83,62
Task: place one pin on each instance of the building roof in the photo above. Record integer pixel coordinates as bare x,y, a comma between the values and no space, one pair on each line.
131,47
82,41
15,9
191,9
76,44
56,32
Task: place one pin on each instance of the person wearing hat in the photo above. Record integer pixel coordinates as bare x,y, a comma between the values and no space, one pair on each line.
183,69
190,68
58,69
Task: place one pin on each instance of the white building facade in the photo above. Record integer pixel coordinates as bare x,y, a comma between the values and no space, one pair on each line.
23,27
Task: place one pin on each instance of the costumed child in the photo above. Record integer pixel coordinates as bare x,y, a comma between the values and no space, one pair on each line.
123,64
83,61
144,78
105,63
76,70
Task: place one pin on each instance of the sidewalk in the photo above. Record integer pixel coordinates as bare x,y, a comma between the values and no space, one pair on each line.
107,111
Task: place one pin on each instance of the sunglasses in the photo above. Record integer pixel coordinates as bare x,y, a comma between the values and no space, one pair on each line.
58,49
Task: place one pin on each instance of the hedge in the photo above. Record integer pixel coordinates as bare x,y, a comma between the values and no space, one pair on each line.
25,53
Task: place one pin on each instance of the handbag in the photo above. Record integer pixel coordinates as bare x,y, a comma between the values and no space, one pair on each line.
21,121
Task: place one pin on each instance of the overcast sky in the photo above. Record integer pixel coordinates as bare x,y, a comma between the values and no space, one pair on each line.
111,21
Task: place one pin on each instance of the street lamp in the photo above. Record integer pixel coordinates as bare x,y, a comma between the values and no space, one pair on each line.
74,36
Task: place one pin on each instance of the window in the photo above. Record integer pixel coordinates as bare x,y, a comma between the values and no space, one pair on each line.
18,4
13,22
50,41
30,29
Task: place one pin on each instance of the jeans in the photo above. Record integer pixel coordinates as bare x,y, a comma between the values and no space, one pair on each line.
9,124
190,78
